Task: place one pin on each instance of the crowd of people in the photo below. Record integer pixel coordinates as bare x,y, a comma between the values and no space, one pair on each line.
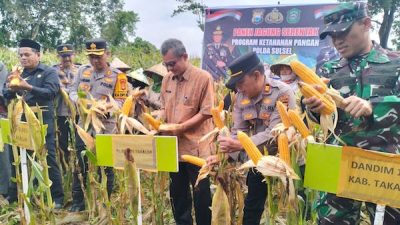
183,95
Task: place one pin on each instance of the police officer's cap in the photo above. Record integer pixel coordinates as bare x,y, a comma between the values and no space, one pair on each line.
28,43
96,46
65,50
218,31
240,67
342,17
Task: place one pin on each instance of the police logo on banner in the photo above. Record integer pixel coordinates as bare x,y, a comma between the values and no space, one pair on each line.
293,16
258,15
274,16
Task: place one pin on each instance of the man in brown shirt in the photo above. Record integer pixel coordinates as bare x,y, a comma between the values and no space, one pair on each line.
187,96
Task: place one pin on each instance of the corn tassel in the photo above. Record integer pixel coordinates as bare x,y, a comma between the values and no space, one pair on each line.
307,75
217,118
150,120
298,123
283,114
308,91
250,148
194,160
283,148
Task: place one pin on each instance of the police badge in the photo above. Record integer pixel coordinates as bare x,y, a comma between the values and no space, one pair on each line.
274,16
258,15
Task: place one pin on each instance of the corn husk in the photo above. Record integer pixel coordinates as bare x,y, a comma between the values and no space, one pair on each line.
220,208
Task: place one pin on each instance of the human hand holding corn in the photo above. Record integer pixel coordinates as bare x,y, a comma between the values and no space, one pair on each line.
228,144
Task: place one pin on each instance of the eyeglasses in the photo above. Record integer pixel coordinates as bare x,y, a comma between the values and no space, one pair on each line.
171,63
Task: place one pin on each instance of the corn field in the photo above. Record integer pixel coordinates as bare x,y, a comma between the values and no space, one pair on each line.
288,202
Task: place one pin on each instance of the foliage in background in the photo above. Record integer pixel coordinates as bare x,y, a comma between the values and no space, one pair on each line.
52,22
193,6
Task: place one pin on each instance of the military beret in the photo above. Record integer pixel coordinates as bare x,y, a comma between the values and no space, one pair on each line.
29,44
65,49
342,17
96,46
240,67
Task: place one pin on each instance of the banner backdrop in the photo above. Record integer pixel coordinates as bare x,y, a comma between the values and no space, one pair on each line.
273,32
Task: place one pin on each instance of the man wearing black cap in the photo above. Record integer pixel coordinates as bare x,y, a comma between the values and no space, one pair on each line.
98,80
67,71
254,112
367,76
39,85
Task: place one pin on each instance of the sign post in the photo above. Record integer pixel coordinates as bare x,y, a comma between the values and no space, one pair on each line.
355,173
152,153
22,139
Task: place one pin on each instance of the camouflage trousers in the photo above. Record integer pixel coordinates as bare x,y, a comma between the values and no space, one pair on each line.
343,211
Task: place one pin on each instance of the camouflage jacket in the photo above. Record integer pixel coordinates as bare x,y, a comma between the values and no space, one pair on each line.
374,77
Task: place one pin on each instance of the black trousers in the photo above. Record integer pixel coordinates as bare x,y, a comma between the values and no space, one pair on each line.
255,199
56,188
64,135
181,198
77,193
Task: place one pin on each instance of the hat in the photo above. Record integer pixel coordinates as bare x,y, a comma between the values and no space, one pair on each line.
96,46
29,44
240,67
342,17
158,69
285,61
117,63
139,75
218,31
65,49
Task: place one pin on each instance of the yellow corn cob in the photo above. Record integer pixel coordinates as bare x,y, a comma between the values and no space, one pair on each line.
308,91
283,114
298,123
217,118
153,122
283,148
307,75
250,148
221,106
194,160
127,106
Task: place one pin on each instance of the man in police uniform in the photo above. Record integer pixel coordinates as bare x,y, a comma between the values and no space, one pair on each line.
67,71
217,56
367,76
255,113
99,80
39,85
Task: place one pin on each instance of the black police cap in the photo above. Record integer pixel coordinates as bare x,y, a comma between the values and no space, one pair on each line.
96,46
65,49
240,67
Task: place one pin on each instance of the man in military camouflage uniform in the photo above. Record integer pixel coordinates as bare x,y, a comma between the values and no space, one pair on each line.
217,56
255,113
99,80
367,76
66,73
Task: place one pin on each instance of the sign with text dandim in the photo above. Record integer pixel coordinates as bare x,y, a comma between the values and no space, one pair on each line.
354,173
156,153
